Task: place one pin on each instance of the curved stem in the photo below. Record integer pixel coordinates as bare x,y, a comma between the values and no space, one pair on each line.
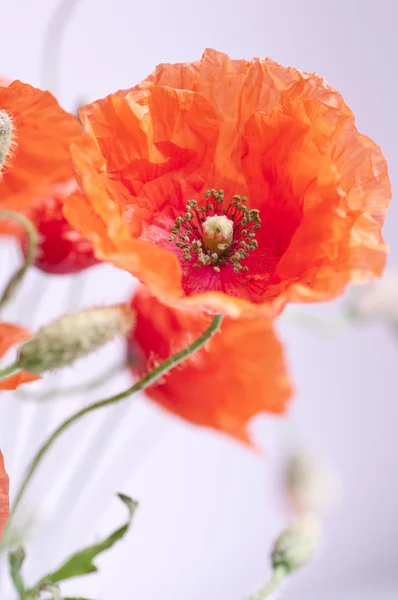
277,576
30,254
9,371
52,44
142,384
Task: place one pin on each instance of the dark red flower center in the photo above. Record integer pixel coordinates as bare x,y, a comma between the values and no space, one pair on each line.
216,234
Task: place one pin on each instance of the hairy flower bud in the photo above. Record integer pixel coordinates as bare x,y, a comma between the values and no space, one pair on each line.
297,544
6,130
65,340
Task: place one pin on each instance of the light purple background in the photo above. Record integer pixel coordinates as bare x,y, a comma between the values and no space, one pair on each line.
209,508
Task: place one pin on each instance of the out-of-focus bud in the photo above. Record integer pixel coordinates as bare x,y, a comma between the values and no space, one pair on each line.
65,340
6,131
376,300
297,544
311,485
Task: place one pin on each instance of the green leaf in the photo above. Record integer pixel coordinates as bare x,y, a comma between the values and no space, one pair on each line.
81,563
16,559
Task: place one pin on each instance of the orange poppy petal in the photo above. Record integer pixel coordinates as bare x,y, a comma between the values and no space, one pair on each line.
4,496
9,336
43,134
238,374
38,176
282,138
151,152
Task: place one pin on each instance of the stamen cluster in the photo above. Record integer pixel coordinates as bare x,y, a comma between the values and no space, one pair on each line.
188,232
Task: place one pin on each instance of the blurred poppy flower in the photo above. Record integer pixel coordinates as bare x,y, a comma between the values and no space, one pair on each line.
38,176
9,336
299,195
238,374
4,496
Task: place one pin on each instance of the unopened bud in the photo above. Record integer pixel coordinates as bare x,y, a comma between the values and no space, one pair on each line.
297,544
65,340
311,486
6,130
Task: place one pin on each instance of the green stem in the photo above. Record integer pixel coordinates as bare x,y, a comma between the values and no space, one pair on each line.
30,254
16,560
18,583
142,384
9,371
277,576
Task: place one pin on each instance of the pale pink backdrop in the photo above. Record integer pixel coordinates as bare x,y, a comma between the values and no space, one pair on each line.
210,508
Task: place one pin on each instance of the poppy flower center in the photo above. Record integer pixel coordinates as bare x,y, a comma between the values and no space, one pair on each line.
217,235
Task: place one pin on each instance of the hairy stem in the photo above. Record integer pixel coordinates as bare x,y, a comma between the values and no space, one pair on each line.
142,384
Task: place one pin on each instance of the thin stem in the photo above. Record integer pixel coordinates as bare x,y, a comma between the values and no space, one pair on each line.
142,384
18,582
16,560
9,371
53,43
277,576
30,254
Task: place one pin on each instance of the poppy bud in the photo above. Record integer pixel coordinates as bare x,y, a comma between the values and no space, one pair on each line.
65,340
297,544
6,130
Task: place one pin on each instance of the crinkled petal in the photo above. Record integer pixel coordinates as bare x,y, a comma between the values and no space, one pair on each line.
240,372
38,176
281,137
43,133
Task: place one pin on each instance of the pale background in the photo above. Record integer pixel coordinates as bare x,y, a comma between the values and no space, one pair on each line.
210,508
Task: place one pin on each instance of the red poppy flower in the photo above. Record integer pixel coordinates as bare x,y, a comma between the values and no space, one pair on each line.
38,176
238,374
4,496
299,194
9,336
